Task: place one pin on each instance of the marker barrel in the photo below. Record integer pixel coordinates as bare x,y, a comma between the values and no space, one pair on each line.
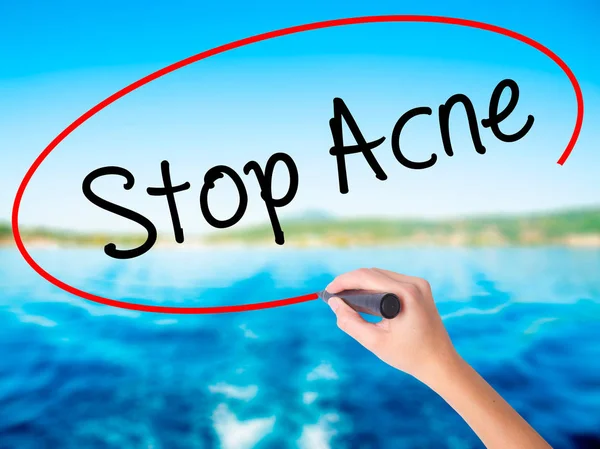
386,305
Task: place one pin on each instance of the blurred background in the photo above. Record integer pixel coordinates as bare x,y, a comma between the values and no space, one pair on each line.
509,240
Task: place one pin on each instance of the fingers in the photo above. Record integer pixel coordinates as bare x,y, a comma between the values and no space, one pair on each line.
361,279
348,320
423,285
396,276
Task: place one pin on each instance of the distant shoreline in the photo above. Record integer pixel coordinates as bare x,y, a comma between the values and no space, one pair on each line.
591,241
570,228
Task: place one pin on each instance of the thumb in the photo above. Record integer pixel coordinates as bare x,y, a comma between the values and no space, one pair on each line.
348,320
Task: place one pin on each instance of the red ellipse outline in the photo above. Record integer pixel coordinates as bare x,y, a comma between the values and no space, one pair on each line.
230,46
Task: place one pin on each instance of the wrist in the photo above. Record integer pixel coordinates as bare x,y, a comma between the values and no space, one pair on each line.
445,368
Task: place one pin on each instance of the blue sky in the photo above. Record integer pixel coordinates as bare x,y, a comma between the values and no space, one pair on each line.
58,61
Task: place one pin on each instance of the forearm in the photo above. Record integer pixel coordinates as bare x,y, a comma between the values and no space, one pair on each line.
494,421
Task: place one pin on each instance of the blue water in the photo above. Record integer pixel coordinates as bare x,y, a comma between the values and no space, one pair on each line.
75,374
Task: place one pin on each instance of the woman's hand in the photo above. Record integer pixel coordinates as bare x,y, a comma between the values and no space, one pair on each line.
416,341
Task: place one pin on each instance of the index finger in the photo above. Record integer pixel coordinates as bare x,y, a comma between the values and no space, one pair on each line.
362,279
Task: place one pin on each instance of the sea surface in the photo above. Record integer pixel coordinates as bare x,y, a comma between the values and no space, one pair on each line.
76,374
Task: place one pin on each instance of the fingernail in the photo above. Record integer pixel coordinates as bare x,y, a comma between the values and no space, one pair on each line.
334,303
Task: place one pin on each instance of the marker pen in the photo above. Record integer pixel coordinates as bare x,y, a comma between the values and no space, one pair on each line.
386,305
